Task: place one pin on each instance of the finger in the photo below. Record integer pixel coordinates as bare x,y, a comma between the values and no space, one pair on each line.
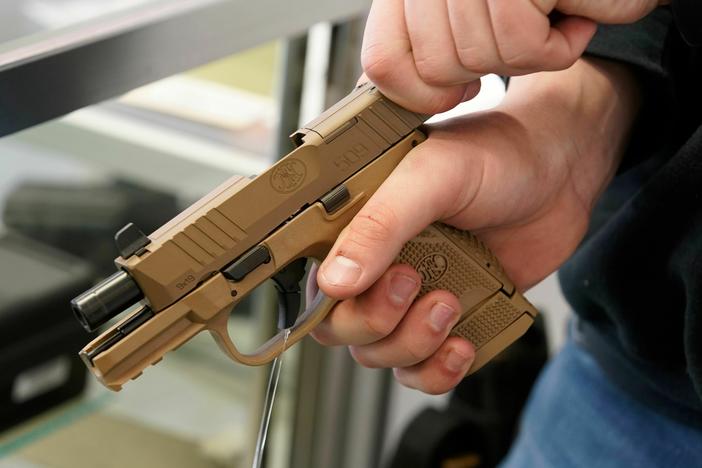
473,36
433,184
420,333
374,314
433,48
567,41
388,62
471,89
608,11
526,42
442,371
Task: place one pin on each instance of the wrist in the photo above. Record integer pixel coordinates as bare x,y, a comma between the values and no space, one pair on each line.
578,117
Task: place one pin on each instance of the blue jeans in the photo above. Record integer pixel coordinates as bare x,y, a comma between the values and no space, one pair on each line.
576,417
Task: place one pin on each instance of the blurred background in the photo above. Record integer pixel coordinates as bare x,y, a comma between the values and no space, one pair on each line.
128,111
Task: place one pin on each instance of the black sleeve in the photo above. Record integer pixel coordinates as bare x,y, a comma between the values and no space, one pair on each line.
644,47
641,44
688,16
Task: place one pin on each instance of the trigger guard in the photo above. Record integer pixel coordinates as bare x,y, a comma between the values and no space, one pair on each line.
312,288
278,340
313,314
308,312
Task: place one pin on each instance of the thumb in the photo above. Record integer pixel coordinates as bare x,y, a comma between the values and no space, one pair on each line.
425,187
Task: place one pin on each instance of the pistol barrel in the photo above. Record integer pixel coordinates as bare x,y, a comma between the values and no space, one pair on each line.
106,300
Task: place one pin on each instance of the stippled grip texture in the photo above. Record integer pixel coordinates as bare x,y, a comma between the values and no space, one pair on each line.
494,314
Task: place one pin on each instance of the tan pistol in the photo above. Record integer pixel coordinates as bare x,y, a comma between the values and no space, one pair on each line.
188,275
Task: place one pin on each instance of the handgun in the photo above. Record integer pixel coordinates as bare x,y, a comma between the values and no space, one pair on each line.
188,275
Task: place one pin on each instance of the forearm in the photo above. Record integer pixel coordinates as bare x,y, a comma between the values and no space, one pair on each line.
581,116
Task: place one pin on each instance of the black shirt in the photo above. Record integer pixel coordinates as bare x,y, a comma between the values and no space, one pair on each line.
636,280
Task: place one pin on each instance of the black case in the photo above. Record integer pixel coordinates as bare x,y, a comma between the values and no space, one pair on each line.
39,337
83,219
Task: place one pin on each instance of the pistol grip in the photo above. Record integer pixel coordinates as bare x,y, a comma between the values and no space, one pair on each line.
494,313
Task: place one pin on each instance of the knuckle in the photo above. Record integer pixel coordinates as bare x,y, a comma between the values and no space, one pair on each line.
433,382
558,58
432,70
374,224
525,55
432,157
442,101
362,358
521,59
419,351
377,326
422,342
520,54
378,62
474,60
456,173
322,336
435,387
404,378
421,381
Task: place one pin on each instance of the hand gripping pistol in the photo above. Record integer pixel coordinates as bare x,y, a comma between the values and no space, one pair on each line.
188,275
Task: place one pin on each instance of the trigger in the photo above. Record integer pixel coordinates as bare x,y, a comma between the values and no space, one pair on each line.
287,283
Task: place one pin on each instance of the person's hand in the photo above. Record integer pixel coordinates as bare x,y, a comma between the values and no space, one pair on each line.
424,53
523,177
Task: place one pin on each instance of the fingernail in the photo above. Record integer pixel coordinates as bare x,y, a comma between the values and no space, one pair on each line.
456,361
441,316
402,287
342,271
